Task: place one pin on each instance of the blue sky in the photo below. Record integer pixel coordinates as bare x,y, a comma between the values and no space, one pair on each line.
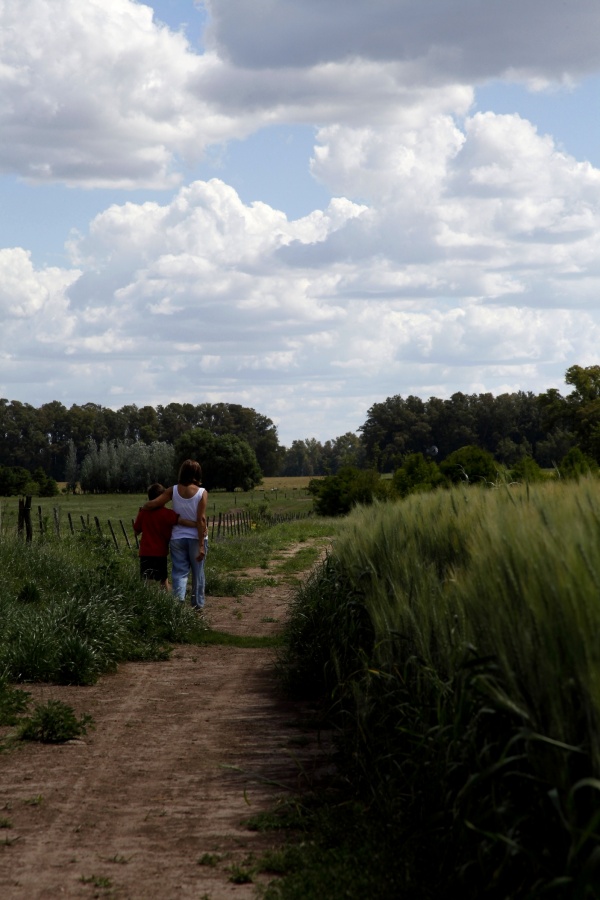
275,204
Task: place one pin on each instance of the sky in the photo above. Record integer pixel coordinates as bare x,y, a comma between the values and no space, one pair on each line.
304,208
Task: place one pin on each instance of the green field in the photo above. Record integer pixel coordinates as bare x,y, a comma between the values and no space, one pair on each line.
454,645
276,496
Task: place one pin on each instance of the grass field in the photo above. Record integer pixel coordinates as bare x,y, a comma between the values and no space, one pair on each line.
454,642
275,495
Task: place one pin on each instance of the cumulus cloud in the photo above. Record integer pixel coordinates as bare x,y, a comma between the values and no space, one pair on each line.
98,93
440,41
460,252
451,276
102,93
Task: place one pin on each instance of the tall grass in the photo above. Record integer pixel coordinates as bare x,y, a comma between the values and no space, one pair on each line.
455,637
73,609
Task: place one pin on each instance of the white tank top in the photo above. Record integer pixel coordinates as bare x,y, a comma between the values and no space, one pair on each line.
187,509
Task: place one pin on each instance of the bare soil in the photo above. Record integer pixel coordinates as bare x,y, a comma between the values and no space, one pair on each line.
182,754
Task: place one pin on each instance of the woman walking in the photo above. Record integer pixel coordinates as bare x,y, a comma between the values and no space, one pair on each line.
188,546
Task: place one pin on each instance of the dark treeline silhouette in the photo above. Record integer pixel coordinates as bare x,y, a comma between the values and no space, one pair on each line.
40,436
511,426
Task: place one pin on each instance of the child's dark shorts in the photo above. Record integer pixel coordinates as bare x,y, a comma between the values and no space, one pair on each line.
154,568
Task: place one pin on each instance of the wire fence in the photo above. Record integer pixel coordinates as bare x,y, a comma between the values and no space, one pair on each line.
32,523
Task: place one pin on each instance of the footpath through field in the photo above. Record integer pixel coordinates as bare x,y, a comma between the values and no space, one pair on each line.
183,752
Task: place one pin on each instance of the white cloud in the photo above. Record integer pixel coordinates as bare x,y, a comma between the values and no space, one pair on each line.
461,250
441,40
463,281
98,94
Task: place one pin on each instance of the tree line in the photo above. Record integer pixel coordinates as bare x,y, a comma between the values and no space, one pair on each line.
45,436
511,426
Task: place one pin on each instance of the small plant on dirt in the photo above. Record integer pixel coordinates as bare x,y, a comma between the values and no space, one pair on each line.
34,801
54,723
240,874
5,823
287,815
209,859
99,881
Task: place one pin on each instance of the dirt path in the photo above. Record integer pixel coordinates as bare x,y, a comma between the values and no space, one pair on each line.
183,752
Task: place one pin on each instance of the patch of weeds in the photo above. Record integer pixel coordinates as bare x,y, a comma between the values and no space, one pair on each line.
34,801
8,841
220,584
281,862
286,816
54,723
240,874
210,859
341,851
99,881
12,702
5,823
302,560
266,619
117,858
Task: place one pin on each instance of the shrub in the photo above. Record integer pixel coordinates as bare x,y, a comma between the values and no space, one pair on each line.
470,464
576,464
54,723
336,495
526,469
417,474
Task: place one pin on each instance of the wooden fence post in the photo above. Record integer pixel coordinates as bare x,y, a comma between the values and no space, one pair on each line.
125,535
114,537
55,513
28,528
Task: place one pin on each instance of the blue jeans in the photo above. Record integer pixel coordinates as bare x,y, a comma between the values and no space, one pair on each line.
183,559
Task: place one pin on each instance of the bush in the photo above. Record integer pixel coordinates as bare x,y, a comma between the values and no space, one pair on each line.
526,469
336,495
54,723
576,464
471,464
417,474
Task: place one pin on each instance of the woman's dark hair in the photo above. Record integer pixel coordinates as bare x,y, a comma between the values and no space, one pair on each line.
189,472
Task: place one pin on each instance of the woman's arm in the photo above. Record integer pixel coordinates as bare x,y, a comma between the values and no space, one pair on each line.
202,526
160,500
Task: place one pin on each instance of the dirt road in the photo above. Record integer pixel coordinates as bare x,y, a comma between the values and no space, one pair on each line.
182,753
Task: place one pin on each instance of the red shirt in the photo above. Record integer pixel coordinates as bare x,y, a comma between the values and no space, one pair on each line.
156,526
